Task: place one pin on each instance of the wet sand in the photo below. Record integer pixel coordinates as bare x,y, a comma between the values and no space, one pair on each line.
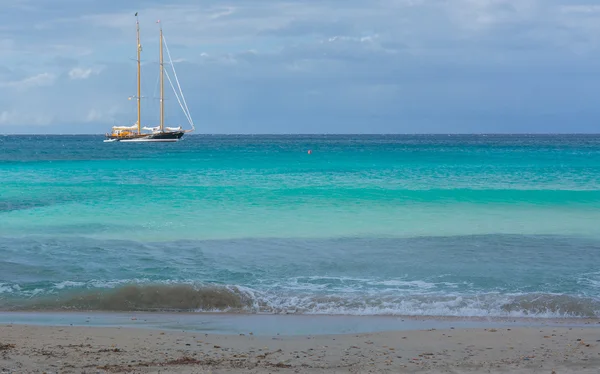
79,349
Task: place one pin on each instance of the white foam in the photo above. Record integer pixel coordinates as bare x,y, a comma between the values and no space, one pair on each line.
8,288
422,285
489,305
68,284
347,297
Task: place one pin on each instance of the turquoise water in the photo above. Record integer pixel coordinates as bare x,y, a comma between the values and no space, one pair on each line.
406,225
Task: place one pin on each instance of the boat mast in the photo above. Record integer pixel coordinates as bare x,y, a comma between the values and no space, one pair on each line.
139,78
162,82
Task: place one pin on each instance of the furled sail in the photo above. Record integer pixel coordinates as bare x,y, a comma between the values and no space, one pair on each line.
134,127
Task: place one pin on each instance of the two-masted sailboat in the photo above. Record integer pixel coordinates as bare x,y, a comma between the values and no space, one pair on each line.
160,133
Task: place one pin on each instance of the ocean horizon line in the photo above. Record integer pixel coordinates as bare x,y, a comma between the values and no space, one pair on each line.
200,134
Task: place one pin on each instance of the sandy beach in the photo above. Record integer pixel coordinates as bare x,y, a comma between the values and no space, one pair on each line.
79,349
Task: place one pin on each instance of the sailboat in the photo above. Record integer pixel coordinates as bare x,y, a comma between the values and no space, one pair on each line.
160,133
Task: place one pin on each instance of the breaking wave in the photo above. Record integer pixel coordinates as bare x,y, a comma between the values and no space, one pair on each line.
170,296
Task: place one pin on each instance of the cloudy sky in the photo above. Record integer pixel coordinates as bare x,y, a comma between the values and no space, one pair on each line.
300,66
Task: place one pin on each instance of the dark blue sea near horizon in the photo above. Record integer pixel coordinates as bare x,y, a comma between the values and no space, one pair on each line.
414,225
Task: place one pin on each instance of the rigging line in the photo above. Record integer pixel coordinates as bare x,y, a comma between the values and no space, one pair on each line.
185,110
177,79
178,85
186,114
179,101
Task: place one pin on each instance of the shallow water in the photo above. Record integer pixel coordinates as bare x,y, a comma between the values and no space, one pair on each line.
393,225
271,325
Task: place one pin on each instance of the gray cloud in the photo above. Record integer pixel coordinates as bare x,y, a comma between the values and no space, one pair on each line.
306,66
